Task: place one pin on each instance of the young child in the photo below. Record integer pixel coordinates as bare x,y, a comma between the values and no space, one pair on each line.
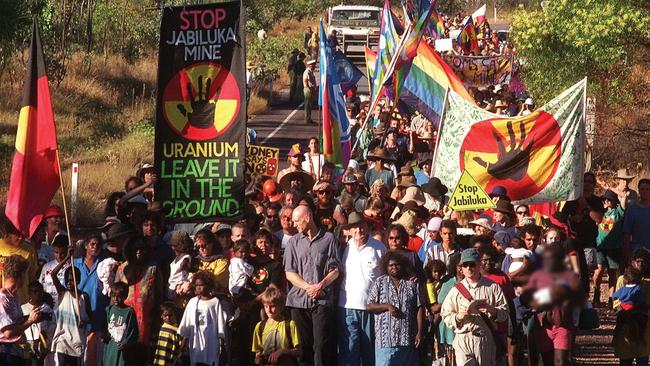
71,316
204,321
39,335
179,268
275,340
240,270
122,328
168,343
633,311
59,250
517,252
435,270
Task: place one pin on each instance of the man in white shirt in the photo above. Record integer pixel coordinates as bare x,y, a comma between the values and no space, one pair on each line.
361,266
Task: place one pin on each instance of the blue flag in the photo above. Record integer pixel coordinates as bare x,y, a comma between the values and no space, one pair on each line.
349,75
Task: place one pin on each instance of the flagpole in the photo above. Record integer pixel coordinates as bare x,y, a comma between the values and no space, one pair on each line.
442,118
383,81
67,227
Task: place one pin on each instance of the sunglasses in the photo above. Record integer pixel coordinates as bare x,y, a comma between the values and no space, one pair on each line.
393,238
468,265
521,212
324,192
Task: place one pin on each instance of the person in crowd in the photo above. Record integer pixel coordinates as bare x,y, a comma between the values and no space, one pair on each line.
291,62
276,340
121,330
351,189
558,293
179,268
313,159
431,237
326,214
633,308
422,176
204,322
54,222
447,247
59,249
13,243
311,297
378,172
396,241
210,257
626,195
635,230
309,89
239,269
399,313
288,230
298,69
307,37
168,343
360,268
39,335
72,314
609,243
145,286
471,309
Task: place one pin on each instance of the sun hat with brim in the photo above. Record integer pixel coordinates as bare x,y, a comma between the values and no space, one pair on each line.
405,170
354,218
470,255
138,200
482,222
407,181
379,153
420,210
407,220
118,231
143,169
528,101
353,164
349,179
250,65
610,196
53,211
413,194
295,150
624,173
379,129
434,187
505,207
307,180
323,185
500,104
223,227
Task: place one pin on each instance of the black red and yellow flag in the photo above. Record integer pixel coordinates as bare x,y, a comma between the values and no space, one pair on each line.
35,170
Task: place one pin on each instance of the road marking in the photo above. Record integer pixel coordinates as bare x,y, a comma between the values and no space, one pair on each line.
277,129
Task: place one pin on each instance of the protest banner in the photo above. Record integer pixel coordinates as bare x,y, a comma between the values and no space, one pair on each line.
469,195
200,112
538,158
481,71
262,160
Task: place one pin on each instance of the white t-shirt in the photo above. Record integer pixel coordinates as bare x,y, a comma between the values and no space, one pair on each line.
360,269
317,161
283,237
46,326
46,280
240,271
203,324
177,275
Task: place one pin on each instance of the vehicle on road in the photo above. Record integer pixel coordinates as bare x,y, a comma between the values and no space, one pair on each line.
357,26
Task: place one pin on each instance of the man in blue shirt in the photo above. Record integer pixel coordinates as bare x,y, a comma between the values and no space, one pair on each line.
637,220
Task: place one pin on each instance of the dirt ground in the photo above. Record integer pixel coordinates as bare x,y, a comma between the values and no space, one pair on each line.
593,346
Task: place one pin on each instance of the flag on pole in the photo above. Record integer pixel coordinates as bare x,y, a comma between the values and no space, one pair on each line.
34,170
388,41
537,158
371,62
349,74
478,16
427,82
336,126
467,38
436,26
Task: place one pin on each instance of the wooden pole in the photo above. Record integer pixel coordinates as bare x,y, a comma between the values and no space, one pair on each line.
67,227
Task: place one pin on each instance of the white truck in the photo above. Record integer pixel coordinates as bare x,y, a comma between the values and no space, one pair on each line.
356,26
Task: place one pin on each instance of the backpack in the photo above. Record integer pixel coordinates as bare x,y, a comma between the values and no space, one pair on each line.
287,332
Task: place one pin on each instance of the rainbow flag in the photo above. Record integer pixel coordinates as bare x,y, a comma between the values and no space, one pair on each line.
436,26
336,126
371,62
427,82
388,42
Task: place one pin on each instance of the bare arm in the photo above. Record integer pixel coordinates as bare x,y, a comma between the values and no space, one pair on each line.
19,328
297,281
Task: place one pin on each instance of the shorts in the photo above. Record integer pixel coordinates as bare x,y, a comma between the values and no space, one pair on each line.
551,338
609,258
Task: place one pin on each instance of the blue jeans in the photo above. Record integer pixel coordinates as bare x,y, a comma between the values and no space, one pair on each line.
400,356
355,337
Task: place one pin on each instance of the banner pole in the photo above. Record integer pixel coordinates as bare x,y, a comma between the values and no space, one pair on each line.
442,118
67,227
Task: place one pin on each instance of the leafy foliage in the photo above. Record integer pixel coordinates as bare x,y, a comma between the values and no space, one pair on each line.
271,55
571,39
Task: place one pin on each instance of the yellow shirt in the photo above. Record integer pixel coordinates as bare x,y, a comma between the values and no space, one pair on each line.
219,268
433,288
27,252
274,337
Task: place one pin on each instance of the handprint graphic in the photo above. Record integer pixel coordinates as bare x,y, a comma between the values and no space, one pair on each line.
203,106
512,162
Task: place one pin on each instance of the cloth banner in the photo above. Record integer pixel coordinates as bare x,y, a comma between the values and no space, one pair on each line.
201,112
262,160
481,71
349,74
537,158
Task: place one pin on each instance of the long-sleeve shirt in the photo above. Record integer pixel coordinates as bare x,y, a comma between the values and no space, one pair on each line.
455,302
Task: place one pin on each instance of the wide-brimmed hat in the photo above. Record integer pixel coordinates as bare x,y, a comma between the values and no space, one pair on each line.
307,180
53,211
500,104
379,153
624,173
505,207
413,194
610,195
250,65
323,185
349,179
528,101
435,187
499,191
407,181
295,150
405,170
354,218
424,161
483,222
143,169
138,200
420,210
223,227
408,220
118,231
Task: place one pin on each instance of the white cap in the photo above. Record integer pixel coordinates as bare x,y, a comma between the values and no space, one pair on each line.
497,88
353,164
529,101
434,224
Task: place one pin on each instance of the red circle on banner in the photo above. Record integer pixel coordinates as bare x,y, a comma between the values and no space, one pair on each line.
521,154
201,101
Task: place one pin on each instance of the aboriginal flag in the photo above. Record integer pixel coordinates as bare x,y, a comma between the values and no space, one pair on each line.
34,171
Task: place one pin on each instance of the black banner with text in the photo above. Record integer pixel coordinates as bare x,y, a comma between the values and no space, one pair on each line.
200,113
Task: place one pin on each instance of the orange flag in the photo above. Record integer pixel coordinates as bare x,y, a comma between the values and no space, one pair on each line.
34,170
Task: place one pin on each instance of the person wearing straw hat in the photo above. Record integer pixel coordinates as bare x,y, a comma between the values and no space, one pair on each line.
354,322
351,189
626,195
309,89
378,172
501,107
